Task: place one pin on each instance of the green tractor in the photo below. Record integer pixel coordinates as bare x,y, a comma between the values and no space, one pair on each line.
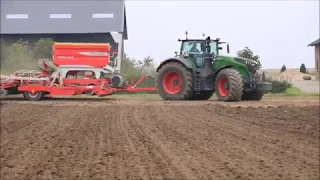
198,71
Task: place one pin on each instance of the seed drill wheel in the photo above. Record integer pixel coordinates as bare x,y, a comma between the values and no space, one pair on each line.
3,92
229,85
174,82
204,95
33,96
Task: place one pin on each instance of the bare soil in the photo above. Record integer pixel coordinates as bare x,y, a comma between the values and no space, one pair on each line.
277,138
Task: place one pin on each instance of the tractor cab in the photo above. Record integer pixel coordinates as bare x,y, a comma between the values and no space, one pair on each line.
197,46
197,49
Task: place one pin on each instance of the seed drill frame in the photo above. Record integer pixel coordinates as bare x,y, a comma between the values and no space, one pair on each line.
60,77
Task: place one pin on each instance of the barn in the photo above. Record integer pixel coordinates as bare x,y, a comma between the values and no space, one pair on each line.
316,45
65,21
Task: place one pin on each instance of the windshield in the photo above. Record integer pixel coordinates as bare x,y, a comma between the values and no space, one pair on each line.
198,47
192,46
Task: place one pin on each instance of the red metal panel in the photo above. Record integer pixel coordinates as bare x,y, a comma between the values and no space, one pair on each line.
90,54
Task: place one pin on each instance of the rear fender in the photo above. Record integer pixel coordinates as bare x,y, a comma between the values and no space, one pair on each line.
187,63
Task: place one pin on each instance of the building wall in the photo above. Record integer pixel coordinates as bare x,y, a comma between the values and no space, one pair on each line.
317,57
85,38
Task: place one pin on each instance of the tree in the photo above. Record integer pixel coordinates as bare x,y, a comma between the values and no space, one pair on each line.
283,68
16,56
248,53
43,48
303,69
132,69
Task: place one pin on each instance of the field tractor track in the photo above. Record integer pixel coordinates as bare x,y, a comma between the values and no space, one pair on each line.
136,139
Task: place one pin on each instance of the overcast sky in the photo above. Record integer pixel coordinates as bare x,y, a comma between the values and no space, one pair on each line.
278,31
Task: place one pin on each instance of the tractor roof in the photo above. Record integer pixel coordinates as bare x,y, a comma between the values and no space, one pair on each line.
196,40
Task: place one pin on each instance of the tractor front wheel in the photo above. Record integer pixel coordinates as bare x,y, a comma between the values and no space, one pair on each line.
229,85
174,82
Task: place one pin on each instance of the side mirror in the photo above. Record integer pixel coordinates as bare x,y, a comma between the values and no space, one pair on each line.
228,48
176,53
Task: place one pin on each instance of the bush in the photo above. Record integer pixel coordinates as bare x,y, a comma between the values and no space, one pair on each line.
43,48
279,85
5,50
18,56
303,69
283,68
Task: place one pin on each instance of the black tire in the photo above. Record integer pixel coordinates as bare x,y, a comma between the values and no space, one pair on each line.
33,97
3,92
252,96
204,95
186,90
14,90
234,82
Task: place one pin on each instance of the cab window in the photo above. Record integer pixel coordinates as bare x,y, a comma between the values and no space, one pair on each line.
192,46
213,47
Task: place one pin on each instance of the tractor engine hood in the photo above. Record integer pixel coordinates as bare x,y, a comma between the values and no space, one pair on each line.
252,65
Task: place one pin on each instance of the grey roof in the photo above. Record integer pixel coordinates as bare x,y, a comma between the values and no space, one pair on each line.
316,42
62,16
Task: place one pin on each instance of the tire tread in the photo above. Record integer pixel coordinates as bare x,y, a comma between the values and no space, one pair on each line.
188,77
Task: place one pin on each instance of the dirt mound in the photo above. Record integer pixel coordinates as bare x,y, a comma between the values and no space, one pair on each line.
160,141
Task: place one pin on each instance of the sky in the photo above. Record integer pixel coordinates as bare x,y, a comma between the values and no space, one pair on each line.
277,31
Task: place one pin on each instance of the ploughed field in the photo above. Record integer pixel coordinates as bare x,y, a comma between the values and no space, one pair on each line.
277,138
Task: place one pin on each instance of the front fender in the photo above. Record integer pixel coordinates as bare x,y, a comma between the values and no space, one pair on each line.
186,62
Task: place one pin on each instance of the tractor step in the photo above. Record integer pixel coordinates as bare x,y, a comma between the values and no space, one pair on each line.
197,81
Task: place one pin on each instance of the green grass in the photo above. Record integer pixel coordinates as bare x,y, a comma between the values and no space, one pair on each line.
294,91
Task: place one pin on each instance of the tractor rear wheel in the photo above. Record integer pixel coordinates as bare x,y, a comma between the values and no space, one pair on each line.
204,95
174,82
229,85
33,97
253,96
